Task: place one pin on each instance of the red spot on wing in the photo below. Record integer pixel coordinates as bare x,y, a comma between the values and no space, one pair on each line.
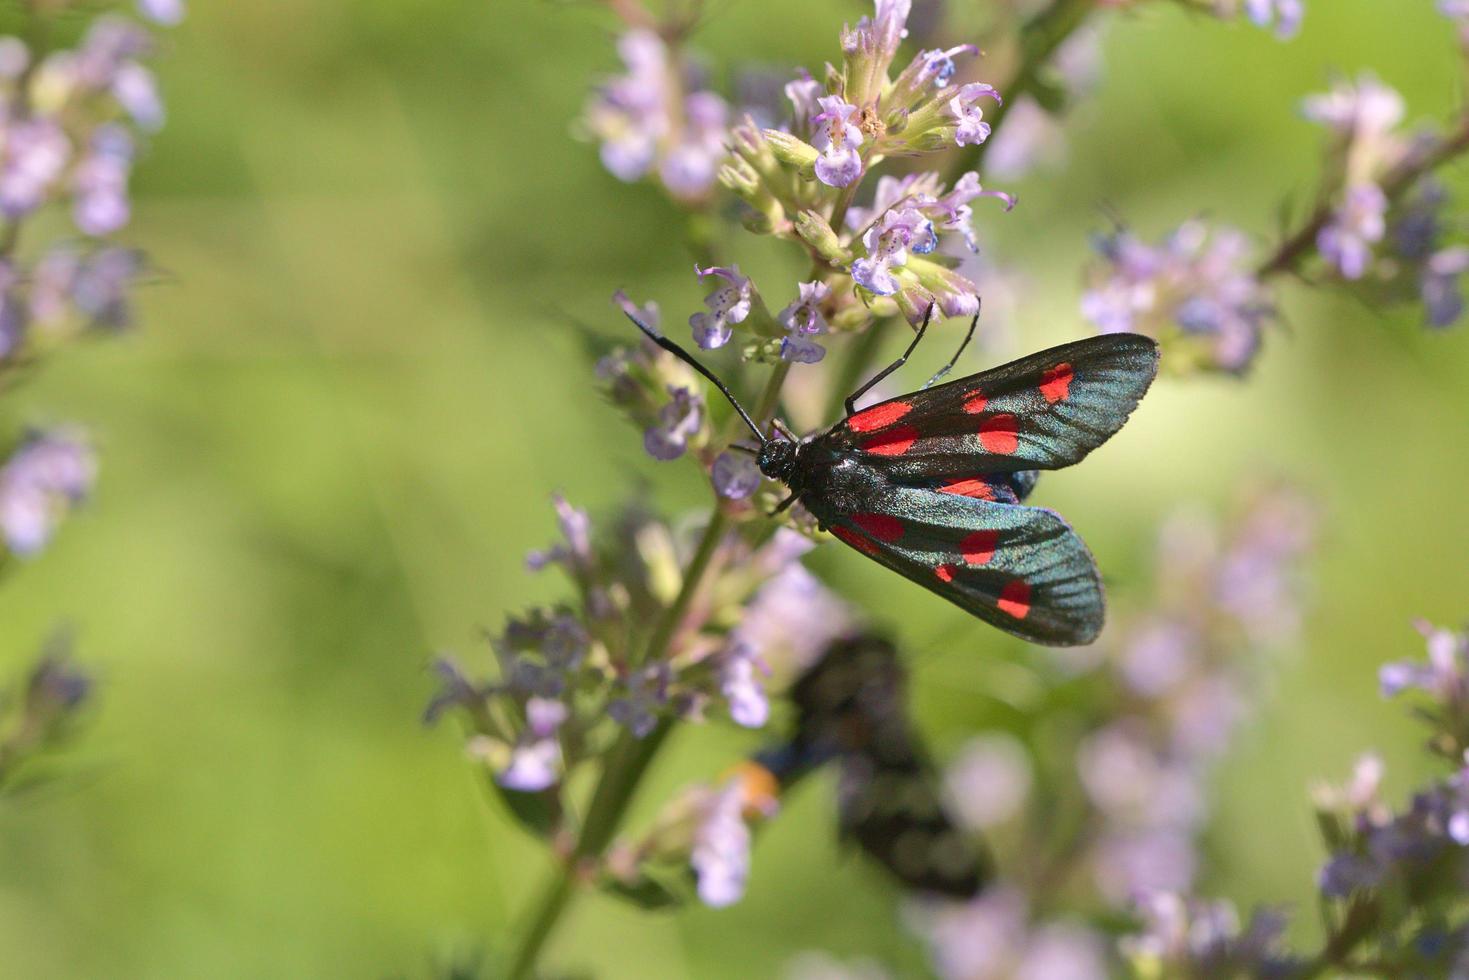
878,416
855,540
945,572
893,443
999,433
1015,598
883,527
972,487
974,403
979,547
1056,382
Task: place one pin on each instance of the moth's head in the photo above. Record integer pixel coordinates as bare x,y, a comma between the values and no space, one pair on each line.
777,459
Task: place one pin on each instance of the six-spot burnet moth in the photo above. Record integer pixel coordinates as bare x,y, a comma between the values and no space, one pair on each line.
852,713
931,484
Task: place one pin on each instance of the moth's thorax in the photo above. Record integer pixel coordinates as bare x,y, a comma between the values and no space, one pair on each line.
778,458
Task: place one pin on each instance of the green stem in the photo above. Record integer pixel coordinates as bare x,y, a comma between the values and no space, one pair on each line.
1039,39
630,756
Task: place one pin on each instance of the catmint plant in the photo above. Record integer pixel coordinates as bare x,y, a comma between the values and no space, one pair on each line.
74,120
868,176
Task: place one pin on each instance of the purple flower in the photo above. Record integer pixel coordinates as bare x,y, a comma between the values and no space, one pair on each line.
721,851
1198,280
646,696
1446,674
100,183
535,761
888,243
728,305
110,44
136,90
989,780
15,58
805,94
740,668
1439,286
971,129
35,154
576,553
99,287
678,422
165,12
803,316
1362,110
839,141
801,349
1286,15
629,114
1361,221
14,315
735,475
689,167
1031,137
792,617
48,475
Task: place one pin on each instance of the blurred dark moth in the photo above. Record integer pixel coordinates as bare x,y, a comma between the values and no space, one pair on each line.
931,484
852,712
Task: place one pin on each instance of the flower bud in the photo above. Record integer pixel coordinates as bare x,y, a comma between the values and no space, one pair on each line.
793,152
822,239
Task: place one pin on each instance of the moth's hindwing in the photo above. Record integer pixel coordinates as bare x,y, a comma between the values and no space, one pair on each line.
1021,569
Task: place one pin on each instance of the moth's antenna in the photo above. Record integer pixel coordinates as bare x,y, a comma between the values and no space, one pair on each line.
955,359
627,308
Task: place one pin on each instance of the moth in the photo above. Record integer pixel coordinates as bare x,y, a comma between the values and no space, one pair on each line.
852,712
932,484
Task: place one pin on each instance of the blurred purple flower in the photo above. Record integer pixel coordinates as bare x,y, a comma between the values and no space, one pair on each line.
678,421
740,668
100,286
136,90
535,761
49,474
735,475
34,155
839,141
1346,241
576,528
989,780
100,183
721,851
1031,137
1196,292
646,695
728,305
1285,15
165,12
689,167
1440,287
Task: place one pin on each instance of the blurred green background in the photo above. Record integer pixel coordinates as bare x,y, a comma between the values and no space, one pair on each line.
329,447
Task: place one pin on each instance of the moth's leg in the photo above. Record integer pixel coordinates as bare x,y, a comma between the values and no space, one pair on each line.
781,427
955,359
783,506
852,398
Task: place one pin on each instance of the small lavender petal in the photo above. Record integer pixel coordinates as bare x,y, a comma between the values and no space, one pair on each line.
721,851
735,475
165,12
